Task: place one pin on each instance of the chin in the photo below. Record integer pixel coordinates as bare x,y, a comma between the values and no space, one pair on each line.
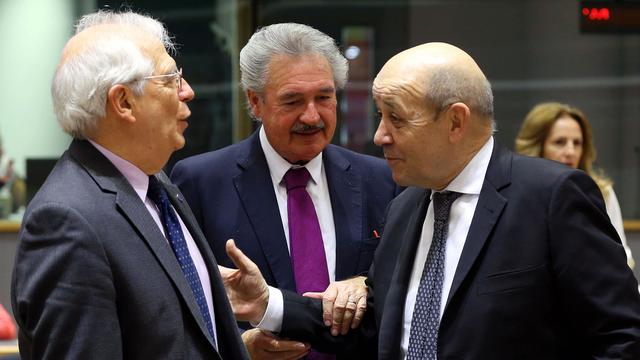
180,142
398,179
308,152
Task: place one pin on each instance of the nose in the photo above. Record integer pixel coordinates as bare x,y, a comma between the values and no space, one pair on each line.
186,94
310,115
382,136
569,149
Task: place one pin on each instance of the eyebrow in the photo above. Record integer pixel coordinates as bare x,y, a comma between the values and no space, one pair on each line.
328,89
294,94
171,70
390,104
289,95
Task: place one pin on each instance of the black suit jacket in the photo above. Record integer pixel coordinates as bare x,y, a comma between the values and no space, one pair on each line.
542,274
95,278
231,194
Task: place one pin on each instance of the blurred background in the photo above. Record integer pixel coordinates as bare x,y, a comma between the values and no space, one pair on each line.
585,53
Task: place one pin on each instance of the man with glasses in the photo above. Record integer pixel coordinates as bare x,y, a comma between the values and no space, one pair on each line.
111,262
175,75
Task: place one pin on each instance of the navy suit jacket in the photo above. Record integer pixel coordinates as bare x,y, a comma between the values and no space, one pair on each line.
542,275
231,194
96,279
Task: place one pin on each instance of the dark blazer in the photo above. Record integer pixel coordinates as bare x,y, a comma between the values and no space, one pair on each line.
95,278
542,274
231,194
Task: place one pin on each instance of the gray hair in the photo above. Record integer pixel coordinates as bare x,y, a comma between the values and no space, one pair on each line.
287,39
448,85
81,83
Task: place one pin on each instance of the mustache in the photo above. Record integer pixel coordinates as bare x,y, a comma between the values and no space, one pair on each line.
306,129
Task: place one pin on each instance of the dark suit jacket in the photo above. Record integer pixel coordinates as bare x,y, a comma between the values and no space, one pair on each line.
542,274
231,194
96,279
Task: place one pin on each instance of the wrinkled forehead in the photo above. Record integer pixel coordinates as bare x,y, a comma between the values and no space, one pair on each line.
398,90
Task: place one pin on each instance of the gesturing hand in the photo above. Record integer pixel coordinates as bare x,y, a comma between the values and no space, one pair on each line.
246,288
343,304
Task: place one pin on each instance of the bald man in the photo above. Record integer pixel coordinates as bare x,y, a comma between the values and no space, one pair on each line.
486,254
111,262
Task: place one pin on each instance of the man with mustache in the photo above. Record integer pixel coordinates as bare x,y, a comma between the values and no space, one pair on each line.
290,74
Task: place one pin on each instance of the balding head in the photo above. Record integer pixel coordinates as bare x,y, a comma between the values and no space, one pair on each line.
443,74
437,112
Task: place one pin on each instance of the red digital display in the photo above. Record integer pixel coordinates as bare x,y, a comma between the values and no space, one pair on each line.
601,14
620,16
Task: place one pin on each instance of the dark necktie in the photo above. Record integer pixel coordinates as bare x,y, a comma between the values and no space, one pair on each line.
308,259
423,335
174,234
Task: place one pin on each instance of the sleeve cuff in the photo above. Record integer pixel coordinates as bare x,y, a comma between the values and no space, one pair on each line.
272,319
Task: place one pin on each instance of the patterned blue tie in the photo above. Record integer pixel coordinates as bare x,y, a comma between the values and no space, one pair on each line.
423,336
174,234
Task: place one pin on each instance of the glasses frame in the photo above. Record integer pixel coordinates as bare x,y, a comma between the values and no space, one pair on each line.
177,75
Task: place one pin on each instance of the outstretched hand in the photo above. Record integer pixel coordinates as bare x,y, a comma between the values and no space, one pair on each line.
246,288
343,304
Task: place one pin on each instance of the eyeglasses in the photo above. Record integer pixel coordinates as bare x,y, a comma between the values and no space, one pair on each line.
177,75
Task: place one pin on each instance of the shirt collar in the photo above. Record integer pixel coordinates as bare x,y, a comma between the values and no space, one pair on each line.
470,179
136,177
278,166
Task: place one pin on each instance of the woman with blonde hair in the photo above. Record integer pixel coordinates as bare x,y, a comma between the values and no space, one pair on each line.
562,133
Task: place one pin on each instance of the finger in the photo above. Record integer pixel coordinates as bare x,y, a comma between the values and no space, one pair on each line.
338,312
314,295
284,346
240,260
327,304
360,310
348,316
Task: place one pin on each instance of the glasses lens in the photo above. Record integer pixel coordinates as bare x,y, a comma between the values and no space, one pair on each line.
179,80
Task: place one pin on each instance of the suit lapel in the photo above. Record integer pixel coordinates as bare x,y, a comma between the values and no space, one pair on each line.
255,190
139,216
391,322
488,211
220,302
109,179
346,204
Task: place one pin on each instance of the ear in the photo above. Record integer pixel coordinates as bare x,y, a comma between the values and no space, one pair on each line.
458,115
255,101
120,101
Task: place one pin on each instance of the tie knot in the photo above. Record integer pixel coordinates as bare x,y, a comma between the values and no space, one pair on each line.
156,192
295,178
442,203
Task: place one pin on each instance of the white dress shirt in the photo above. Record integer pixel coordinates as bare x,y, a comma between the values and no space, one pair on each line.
140,183
318,190
469,184
613,210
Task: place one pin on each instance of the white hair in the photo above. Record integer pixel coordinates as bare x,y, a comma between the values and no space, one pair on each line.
81,82
287,39
448,85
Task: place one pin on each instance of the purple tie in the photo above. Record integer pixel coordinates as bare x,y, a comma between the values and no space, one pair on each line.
307,250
